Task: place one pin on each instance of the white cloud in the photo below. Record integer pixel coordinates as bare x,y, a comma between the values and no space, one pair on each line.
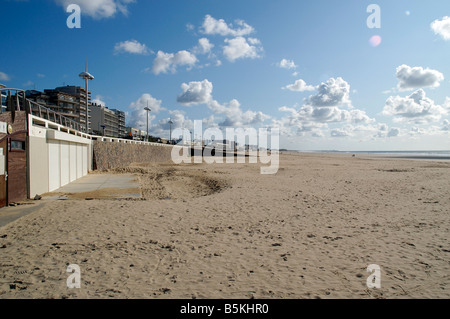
299,86
447,104
420,131
168,62
234,116
417,77
442,27
4,77
446,125
179,120
212,26
195,93
308,118
359,117
323,109
190,27
240,47
341,132
204,46
287,64
99,100
137,116
393,132
333,115
131,46
28,83
334,92
415,108
99,8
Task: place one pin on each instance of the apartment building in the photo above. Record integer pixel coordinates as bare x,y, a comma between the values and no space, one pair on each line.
121,122
2,99
81,96
70,101
105,122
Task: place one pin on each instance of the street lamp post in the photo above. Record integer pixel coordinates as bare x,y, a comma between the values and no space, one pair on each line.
170,123
87,76
148,110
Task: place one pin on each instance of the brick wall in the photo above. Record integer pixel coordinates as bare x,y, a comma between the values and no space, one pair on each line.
19,122
117,155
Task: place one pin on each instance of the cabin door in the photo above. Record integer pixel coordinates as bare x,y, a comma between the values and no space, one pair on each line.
3,174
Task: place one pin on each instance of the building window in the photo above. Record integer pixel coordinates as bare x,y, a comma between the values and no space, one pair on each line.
17,146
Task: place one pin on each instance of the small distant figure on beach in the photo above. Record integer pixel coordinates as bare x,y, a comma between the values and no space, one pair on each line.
354,155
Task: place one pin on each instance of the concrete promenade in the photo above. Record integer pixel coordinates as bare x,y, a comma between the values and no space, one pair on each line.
92,186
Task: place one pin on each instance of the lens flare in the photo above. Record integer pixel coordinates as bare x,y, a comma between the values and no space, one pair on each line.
375,41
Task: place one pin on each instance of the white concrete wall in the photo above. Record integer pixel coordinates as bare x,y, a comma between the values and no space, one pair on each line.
58,156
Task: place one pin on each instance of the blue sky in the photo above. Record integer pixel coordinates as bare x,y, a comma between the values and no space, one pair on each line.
306,67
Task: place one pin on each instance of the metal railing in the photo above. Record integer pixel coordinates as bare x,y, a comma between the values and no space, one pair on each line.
19,102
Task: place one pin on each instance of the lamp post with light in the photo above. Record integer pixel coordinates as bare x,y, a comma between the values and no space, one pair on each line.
86,76
148,110
170,123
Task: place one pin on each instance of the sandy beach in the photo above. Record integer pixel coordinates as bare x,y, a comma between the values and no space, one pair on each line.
226,231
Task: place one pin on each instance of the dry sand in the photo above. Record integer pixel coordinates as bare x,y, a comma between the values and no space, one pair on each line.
225,231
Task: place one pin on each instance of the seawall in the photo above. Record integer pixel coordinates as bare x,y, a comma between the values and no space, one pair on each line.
118,155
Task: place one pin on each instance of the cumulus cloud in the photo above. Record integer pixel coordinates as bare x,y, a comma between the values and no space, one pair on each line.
99,8
299,86
287,64
416,107
238,44
393,132
137,116
446,125
324,108
212,26
28,83
334,92
235,116
4,77
417,77
99,100
231,114
204,46
307,115
447,104
195,93
333,115
169,62
240,47
131,46
442,27
340,132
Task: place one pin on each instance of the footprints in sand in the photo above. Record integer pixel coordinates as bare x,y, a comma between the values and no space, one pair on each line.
170,183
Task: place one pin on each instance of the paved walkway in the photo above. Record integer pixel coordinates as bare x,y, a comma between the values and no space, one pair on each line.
111,186
94,182
10,214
